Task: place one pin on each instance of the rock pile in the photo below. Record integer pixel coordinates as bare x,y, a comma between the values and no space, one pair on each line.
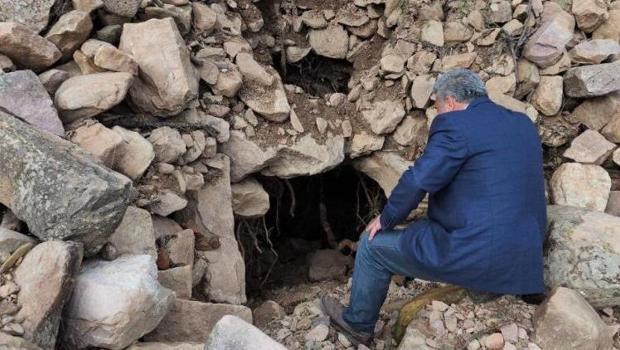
131,134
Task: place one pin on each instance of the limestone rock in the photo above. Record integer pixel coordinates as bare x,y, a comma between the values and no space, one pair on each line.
33,15
228,81
421,90
332,42
204,17
528,78
328,264
463,60
594,51
384,116
393,63
22,94
500,11
56,188
590,147
234,333
108,57
269,101
249,199
580,185
99,141
597,112
413,130
45,277
363,144
267,312
10,241
612,130
246,157
252,70
77,97
135,234
548,95
135,153
123,8
71,30
180,247
52,79
193,320
583,253
314,19
589,14
167,144
135,303
610,29
306,157
168,81
87,5
26,48
589,81
546,45
456,32
383,167
167,202
432,33
295,54
225,277
177,279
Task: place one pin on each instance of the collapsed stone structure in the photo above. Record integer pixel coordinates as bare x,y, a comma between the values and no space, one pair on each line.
134,131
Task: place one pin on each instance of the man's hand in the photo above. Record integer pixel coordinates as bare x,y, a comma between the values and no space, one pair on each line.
373,227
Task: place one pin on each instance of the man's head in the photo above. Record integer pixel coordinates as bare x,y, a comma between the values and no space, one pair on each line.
455,89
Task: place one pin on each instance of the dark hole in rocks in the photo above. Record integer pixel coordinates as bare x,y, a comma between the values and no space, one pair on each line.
316,74
350,198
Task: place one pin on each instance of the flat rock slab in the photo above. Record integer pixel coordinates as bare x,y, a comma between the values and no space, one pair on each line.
589,81
233,333
46,277
584,254
56,188
22,94
192,321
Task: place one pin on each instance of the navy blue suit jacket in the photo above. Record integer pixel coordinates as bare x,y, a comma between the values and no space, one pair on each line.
486,221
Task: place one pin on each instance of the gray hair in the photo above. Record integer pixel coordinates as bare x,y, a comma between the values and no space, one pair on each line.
462,84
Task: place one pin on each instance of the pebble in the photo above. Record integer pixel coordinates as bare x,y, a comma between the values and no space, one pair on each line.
510,332
494,341
318,333
473,345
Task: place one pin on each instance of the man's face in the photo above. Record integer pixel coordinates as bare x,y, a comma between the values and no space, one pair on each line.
449,104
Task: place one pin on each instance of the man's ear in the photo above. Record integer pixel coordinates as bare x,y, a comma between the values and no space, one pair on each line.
450,103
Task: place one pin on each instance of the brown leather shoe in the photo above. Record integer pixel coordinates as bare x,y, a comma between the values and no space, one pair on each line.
332,308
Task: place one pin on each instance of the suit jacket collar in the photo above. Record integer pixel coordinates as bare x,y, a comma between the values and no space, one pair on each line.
478,101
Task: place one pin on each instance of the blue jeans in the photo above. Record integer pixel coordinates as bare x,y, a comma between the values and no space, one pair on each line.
375,263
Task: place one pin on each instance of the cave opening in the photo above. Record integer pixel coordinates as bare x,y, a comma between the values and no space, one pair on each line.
308,213
317,75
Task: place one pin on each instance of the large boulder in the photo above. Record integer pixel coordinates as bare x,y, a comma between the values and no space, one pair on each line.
22,94
34,15
85,96
306,157
233,333
581,185
267,100
45,277
589,81
546,45
192,321
26,48
566,321
583,253
115,303
225,276
56,188
168,80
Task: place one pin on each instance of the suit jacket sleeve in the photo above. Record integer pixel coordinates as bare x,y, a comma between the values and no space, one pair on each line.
445,153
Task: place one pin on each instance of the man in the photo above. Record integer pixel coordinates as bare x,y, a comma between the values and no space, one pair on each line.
484,230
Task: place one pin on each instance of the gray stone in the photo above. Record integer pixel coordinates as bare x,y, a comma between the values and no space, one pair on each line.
594,51
135,235
583,253
193,320
581,185
384,116
22,94
566,321
432,33
589,81
363,144
590,14
46,277
268,312
328,264
225,277
182,15
124,8
269,101
134,303
249,199
168,81
167,144
596,112
332,42
246,157
33,15
590,147
234,333
56,188
26,48
177,279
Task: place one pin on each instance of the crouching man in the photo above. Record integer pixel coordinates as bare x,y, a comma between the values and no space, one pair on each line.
482,169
